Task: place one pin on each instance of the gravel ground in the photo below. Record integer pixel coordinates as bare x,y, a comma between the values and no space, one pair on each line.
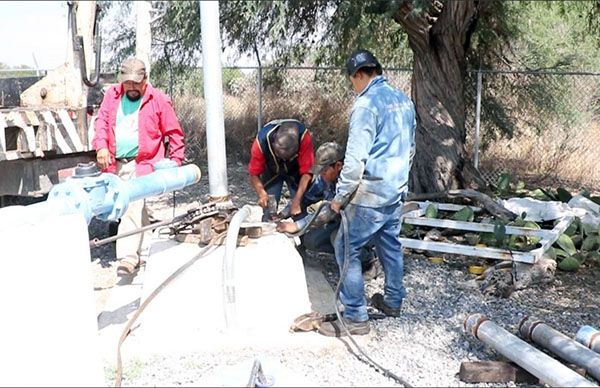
425,345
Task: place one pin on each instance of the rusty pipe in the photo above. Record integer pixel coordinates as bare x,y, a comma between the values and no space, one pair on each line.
520,352
566,348
589,337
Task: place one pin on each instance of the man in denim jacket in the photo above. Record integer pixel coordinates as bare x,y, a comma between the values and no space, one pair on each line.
371,189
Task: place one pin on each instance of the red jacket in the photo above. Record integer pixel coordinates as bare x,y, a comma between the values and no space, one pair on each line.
157,120
306,157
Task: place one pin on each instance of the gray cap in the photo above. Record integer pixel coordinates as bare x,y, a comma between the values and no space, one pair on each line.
359,59
132,69
327,153
285,144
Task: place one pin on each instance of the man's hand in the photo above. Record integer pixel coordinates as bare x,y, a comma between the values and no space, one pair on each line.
336,206
103,158
295,207
287,227
263,201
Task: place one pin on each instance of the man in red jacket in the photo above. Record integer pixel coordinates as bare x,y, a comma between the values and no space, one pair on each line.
130,131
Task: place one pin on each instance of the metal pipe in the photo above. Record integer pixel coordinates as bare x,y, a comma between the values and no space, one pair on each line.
103,195
213,98
162,181
544,367
477,121
229,299
566,348
589,337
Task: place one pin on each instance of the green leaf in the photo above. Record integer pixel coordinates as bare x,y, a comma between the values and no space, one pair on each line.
464,214
538,194
589,230
431,211
560,253
503,182
499,233
569,263
590,243
551,252
566,244
563,195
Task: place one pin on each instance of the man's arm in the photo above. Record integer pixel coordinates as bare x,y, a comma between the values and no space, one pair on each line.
100,140
255,168
171,128
306,160
361,136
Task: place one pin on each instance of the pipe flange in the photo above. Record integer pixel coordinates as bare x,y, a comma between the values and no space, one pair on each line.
526,327
473,322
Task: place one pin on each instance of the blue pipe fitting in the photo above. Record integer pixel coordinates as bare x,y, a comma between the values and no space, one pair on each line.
107,196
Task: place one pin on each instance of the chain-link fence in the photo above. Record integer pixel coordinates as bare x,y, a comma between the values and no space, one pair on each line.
541,127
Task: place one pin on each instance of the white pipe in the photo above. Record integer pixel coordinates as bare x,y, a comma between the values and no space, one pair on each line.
143,34
229,299
542,366
213,98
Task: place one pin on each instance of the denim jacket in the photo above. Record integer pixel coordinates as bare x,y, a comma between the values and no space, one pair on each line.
380,148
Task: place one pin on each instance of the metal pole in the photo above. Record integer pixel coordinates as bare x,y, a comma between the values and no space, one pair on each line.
143,35
259,88
561,345
477,120
528,357
213,98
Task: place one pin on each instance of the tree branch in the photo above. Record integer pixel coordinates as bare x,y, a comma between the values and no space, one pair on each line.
488,203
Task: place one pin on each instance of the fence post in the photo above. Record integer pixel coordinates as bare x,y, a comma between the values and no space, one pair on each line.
477,120
259,87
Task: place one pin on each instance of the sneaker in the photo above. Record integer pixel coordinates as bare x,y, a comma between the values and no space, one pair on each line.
379,304
335,329
127,267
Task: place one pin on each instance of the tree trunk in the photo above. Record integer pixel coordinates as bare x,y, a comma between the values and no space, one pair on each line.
439,39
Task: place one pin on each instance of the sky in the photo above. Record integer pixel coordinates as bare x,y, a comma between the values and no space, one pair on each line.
33,28
36,31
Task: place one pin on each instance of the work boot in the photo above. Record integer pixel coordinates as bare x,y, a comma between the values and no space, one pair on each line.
372,269
335,329
379,304
128,266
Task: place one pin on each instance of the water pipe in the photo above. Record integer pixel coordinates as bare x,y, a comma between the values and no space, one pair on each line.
542,366
589,337
103,195
566,348
228,265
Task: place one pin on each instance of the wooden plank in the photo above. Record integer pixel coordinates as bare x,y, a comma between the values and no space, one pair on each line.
446,206
494,372
467,250
62,144
71,130
474,226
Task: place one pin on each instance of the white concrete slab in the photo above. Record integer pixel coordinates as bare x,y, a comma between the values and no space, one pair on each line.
188,315
48,332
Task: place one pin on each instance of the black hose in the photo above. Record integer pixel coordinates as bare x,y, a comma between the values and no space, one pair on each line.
366,359
321,208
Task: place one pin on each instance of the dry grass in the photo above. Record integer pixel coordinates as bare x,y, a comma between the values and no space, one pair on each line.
557,157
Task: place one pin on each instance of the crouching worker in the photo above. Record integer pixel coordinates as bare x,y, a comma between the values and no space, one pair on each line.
317,231
282,152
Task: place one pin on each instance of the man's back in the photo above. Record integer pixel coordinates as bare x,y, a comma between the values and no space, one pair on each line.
382,137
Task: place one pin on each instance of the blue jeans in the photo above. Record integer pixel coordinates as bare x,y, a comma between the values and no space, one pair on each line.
381,227
275,189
